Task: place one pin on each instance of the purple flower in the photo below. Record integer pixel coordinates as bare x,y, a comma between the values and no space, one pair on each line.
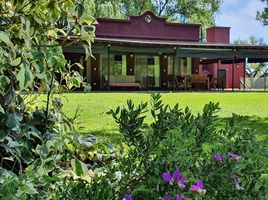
198,187
218,157
234,156
176,177
167,177
128,197
182,182
236,181
167,197
178,197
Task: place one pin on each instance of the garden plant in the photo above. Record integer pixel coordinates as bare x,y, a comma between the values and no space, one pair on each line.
42,155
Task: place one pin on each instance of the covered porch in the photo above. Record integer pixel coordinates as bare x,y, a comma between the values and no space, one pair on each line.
139,64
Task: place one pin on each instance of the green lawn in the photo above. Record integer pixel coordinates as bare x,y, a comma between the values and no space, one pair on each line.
93,108
93,117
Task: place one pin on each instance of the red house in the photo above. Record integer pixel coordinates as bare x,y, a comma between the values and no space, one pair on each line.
147,52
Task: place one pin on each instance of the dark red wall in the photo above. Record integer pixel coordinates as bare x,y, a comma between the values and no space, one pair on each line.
130,64
137,27
218,34
164,71
239,70
95,70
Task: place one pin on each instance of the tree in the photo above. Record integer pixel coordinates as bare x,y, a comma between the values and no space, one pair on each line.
254,70
194,11
263,15
103,8
191,11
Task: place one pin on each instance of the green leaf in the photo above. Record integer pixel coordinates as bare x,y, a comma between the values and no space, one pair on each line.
4,37
61,31
37,19
2,134
78,167
52,33
41,150
15,62
78,65
28,188
13,120
4,82
2,109
86,19
12,143
25,77
70,147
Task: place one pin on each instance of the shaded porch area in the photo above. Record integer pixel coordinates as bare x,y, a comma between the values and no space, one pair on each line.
132,64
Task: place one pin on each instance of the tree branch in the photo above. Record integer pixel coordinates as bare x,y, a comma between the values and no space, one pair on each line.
161,9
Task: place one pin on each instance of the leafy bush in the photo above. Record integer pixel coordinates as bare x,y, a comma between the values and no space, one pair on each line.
55,158
227,159
38,148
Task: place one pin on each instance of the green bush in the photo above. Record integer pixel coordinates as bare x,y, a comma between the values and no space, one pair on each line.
196,145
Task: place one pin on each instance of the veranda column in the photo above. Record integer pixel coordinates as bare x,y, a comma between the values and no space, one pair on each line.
174,72
163,71
95,72
233,63
245,64
108,51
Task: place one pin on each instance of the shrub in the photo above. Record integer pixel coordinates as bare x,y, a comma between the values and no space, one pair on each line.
227,159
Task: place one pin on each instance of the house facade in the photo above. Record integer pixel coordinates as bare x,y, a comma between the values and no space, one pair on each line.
148,53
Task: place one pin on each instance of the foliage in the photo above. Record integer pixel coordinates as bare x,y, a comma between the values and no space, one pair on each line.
254,70
263,15
201,11
179,140
38,147
54,160
31,56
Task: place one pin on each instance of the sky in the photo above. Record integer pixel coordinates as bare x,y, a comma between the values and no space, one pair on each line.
240,15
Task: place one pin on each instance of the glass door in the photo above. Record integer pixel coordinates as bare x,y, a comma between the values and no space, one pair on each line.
147,71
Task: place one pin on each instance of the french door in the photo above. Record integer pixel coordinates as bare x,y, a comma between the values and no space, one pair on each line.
147,71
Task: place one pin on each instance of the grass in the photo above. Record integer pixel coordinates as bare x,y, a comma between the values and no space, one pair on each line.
93,108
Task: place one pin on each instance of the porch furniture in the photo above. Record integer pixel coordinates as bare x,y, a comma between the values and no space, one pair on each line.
217,83
177,84
119,81
187,82
200,81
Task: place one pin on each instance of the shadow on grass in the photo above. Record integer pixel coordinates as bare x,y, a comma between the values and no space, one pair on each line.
258,124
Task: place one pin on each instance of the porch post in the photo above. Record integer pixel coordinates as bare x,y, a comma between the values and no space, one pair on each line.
163,71
233,70
265,77
245,64
174,72
217,80
219,64
108,88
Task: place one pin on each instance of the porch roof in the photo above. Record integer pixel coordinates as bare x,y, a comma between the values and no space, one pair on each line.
192,49
144,42
179,48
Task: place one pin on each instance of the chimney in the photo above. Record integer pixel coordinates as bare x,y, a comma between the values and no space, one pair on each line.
218,34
